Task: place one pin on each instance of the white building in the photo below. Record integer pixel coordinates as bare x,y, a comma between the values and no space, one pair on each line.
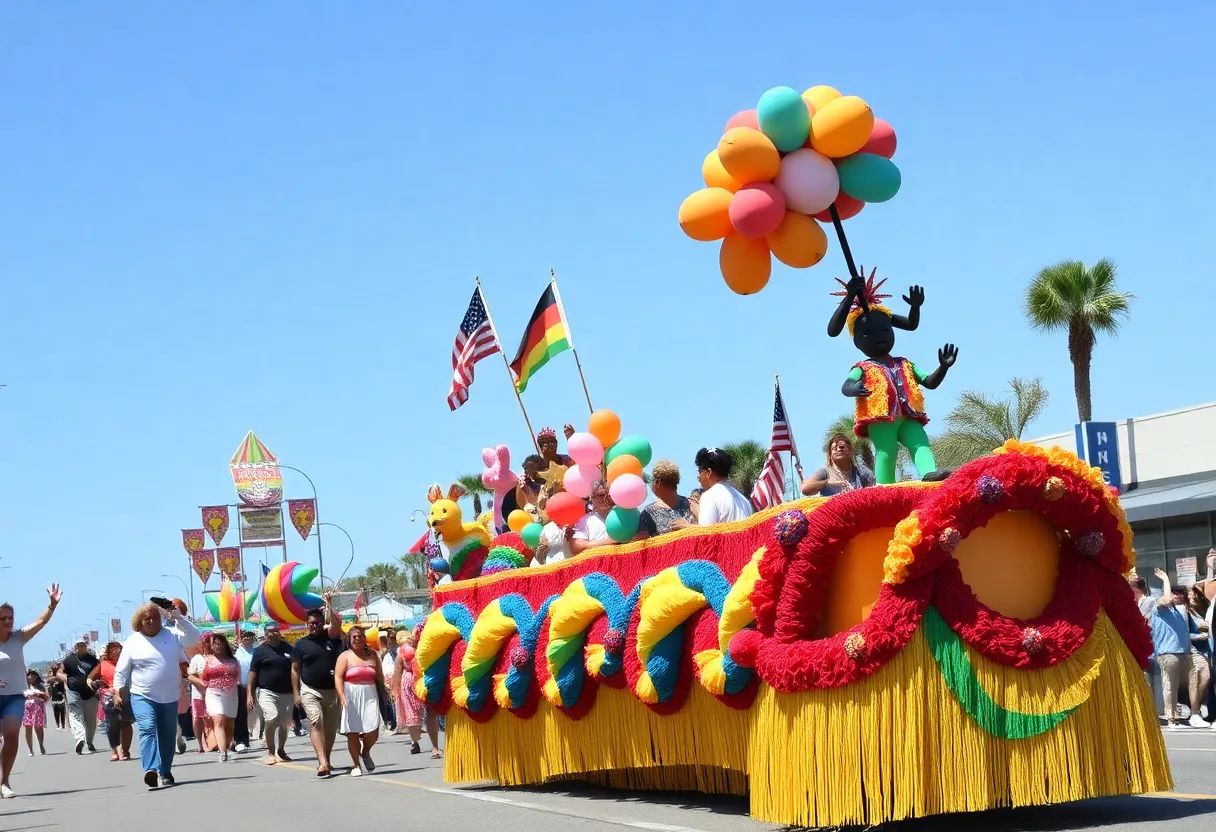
1168,466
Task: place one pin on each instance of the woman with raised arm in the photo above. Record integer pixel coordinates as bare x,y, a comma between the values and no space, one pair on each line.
13,680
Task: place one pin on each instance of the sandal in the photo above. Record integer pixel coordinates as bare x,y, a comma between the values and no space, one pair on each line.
323,772
436,755
415,749
126,756
113,757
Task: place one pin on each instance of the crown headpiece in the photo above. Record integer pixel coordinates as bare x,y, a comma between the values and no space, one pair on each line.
873,298
547,433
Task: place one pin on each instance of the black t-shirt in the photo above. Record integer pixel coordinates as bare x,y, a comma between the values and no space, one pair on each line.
316,656
273,667
57,692
77,669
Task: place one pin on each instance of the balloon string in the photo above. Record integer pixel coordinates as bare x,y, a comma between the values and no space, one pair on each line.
848,253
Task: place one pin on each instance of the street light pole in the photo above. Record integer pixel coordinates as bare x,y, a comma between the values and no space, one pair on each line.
189,589
144,593
317,509
352,553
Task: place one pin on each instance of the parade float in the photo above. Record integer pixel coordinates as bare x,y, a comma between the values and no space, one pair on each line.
953,644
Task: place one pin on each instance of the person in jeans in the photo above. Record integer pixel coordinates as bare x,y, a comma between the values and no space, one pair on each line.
270,691
13,680
312,680
1170,626
151,668
82,709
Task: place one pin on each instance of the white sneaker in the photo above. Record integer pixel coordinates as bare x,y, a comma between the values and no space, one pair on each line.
355,772
6,793
241,748
1196,721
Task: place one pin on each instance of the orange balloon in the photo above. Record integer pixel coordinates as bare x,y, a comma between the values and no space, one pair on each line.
605,426
748,155
841,127
746,264
705,215
799,241
623,464
715,175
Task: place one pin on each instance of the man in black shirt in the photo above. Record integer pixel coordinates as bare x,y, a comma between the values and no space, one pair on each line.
270,690
82,710
312,679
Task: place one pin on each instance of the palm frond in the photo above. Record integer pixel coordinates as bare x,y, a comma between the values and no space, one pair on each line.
473,485
749,456
978,425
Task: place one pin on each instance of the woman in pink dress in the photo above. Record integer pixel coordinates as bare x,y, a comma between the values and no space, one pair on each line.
34,718
218,680
409,706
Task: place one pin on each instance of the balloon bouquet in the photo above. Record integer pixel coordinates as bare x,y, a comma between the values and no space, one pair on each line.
781,169
599,453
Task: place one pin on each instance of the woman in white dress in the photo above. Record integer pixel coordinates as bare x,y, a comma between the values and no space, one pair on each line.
359,678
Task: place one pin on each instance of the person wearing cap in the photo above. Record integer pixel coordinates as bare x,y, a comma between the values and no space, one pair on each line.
720,501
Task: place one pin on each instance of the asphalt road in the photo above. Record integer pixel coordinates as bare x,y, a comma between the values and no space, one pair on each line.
63,791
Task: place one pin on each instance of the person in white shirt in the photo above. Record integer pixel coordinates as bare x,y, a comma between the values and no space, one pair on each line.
150,666
554,546
720,501
592,530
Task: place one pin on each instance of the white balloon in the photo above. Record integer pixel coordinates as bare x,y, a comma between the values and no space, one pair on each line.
809,181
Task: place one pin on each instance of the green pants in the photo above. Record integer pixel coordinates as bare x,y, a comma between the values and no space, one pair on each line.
888,436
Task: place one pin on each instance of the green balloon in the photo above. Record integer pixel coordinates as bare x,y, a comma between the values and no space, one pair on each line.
531,535
622,523
868,177
635,446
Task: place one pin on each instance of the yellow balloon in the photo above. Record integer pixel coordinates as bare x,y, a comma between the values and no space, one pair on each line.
748,155
517,519
715,175
705,216
799,242
746,264
820,95
841,126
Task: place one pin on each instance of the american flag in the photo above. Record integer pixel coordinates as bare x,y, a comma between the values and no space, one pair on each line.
475,340
770,488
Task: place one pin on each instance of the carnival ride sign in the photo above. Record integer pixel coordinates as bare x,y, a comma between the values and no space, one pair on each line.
256,474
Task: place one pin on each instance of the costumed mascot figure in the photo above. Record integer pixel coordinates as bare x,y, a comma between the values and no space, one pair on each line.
890,408
471,549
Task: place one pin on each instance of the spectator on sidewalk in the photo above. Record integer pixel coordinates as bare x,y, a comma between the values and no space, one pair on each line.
1170,626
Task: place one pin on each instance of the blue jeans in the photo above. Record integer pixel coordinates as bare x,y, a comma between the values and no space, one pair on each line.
157,723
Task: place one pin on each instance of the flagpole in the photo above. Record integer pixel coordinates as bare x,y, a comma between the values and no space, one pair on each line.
570,337
507,364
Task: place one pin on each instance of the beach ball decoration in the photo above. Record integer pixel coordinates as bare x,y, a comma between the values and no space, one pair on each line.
287,594
777,171
229,604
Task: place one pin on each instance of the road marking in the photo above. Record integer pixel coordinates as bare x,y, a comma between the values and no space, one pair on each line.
1180,796
519,804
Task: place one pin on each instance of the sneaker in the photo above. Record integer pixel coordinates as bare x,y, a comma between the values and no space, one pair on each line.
241,748
31,753
6,793
1196,721
150,779
355,772
167,780
92,750
368,763
80,746
1173,726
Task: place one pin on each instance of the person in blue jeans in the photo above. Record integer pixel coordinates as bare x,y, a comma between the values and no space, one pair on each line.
13,682
151,666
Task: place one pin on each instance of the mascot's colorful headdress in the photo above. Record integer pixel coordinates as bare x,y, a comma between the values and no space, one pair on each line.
873,298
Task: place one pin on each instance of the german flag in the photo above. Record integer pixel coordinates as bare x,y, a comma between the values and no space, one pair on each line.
545,337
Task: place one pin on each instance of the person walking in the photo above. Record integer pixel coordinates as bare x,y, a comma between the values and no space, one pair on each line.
82,705
270,691
218,680
387,656
198,705
150,668
244,715
409,706
13,680
34,719
313,660
58,697
118,720
361,676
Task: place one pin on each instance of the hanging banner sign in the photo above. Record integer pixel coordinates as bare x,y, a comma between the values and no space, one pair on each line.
261,524
203,563
229,560
215,521
303,514
193,539
116,626
96,636
63,648
255,473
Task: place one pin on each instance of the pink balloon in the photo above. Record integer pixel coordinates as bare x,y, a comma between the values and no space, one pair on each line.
809,181
585,449
882,140
628,491
746,118
757,209
578,480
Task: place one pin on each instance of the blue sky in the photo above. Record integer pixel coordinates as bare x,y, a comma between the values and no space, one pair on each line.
270,218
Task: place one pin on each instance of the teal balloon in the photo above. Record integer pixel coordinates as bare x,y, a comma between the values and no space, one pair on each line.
531,535
868,177
784,118
635,446
622,524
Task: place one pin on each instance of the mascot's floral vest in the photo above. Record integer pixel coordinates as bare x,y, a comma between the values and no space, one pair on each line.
894,392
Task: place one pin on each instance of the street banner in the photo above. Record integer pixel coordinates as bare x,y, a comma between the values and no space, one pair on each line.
203,561
259,524
229,560
116,626
93,634
255,473
215,521
63,648
193,539
303,514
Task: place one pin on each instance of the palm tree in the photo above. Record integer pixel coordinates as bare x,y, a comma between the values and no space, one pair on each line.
977,425
749,456
862,449
1083,302
472,483
413,570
